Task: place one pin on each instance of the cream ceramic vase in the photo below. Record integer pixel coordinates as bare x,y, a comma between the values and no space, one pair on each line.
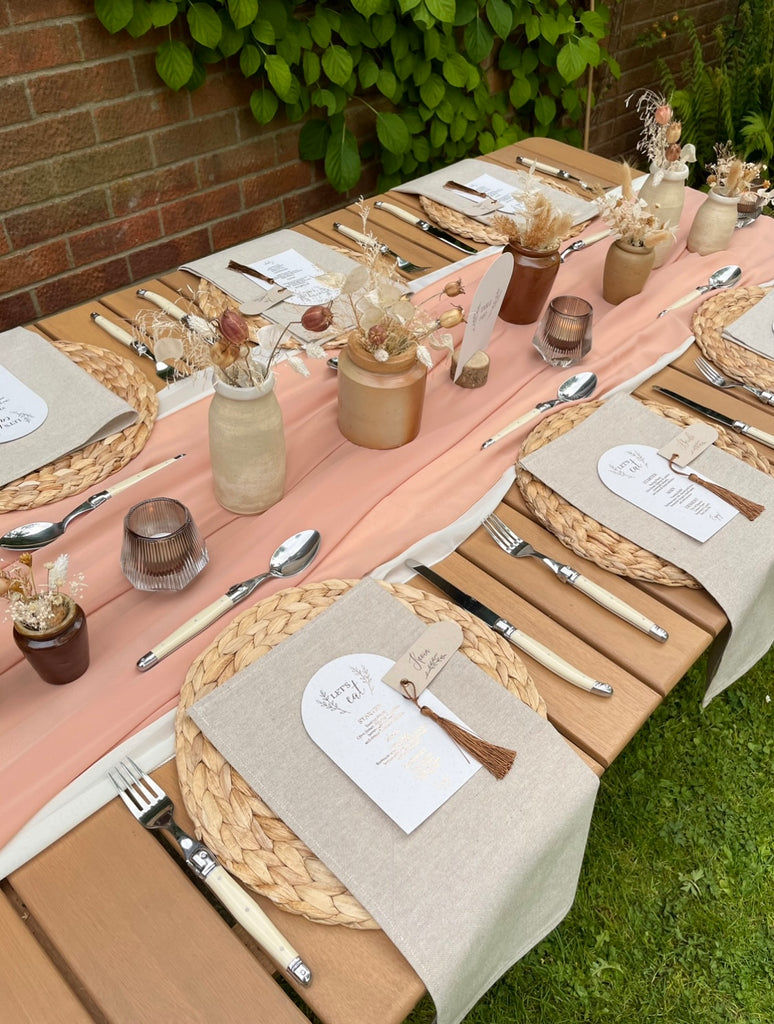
627,268
714,224
247,447
666,199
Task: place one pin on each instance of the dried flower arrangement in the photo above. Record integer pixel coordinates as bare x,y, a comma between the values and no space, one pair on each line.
385,321
630,217
660,138
39,608
731,176
540,226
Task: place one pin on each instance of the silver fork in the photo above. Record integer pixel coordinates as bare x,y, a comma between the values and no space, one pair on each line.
151,806
514,545
714,376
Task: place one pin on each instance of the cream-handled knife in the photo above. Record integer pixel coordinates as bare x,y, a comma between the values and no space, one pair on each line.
739,426
519,639
554,172
163,370
423,225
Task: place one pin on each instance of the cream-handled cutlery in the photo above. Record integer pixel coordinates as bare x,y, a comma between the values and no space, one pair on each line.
290,558
714,376
423,225
32,536
514,545
163,370
722,278
542,654
554,172
584,243
151,806
580,385
405,265
739,426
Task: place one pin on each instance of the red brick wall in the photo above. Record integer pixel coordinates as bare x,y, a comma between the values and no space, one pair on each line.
107,177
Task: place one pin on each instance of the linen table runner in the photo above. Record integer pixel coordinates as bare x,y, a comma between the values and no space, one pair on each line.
80,409
736,566
488,875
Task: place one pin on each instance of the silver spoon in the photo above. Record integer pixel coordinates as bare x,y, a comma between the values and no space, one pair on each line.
580,385
722,278
32,536
290,558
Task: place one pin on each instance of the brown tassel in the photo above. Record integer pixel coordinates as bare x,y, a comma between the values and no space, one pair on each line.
497,760
749,509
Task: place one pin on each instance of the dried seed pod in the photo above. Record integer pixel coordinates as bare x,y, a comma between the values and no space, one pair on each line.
233,327
317,318
451,317
662,114
672,152
673,132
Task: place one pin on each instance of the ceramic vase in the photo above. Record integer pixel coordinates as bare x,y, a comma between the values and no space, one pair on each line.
60,654
627,268
531,281
666,200
714,224
247,447
379,403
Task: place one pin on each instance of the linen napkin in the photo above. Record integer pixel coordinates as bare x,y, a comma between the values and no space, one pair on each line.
753,329
736,566
482,880
80,409
519,182
241,288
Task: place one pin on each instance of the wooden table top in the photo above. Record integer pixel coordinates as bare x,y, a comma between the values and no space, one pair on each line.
106,926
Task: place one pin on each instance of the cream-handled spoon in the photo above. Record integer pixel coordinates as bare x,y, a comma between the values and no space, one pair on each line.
580,385
722,278
32,536
290,558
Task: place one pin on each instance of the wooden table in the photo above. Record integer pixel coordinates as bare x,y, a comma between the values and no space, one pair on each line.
105,926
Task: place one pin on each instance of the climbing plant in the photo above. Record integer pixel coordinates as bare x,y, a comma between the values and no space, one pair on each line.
442,78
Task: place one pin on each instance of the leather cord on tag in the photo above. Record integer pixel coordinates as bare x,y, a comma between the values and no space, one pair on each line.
497,760
749,509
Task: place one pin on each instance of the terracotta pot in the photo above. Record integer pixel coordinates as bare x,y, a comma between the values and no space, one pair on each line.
380,404
666,199
627,268
58,655
531,281
247,447
714,224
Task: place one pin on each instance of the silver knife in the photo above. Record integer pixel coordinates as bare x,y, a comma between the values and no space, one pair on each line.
410,218
519,639
555,172
737,425
384,249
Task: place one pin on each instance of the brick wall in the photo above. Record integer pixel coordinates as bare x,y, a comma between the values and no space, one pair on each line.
107,177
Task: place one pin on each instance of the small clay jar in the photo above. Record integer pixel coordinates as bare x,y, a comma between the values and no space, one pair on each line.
531,281
627,268
60,654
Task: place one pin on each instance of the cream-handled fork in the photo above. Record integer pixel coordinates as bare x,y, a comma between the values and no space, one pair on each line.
714,376
151,806
514,545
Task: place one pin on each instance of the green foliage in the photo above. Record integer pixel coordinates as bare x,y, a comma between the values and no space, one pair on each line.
424,68
731,99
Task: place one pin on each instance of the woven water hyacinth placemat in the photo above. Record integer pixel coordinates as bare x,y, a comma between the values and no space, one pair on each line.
230,818
708,323
81,470
584,535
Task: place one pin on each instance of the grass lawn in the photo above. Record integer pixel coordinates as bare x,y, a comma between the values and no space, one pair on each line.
674,916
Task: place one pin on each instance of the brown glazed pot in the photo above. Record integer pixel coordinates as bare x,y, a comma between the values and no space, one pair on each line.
58,655
531,281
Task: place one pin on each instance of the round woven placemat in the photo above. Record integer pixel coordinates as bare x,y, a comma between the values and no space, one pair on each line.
709,320
229,817
585,535
80,470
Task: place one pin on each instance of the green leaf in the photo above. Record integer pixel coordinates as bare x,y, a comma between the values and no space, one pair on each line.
263,32
325,99
486,143
342,159
467,10
142,21
532,27
320,28
443,10
174,63
250,60
264,105
197,76
367,71
569,61
455,70
383,26
231,41
594,24
438,133
275,11
313,139
478,40
386,83
408,5
204,24
243,12
392,132
420,147
337,64
433,91
279,75
369,7
114,14
422,71
545,109
432,43
520,92
163,12
589,50
311,65
500,15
